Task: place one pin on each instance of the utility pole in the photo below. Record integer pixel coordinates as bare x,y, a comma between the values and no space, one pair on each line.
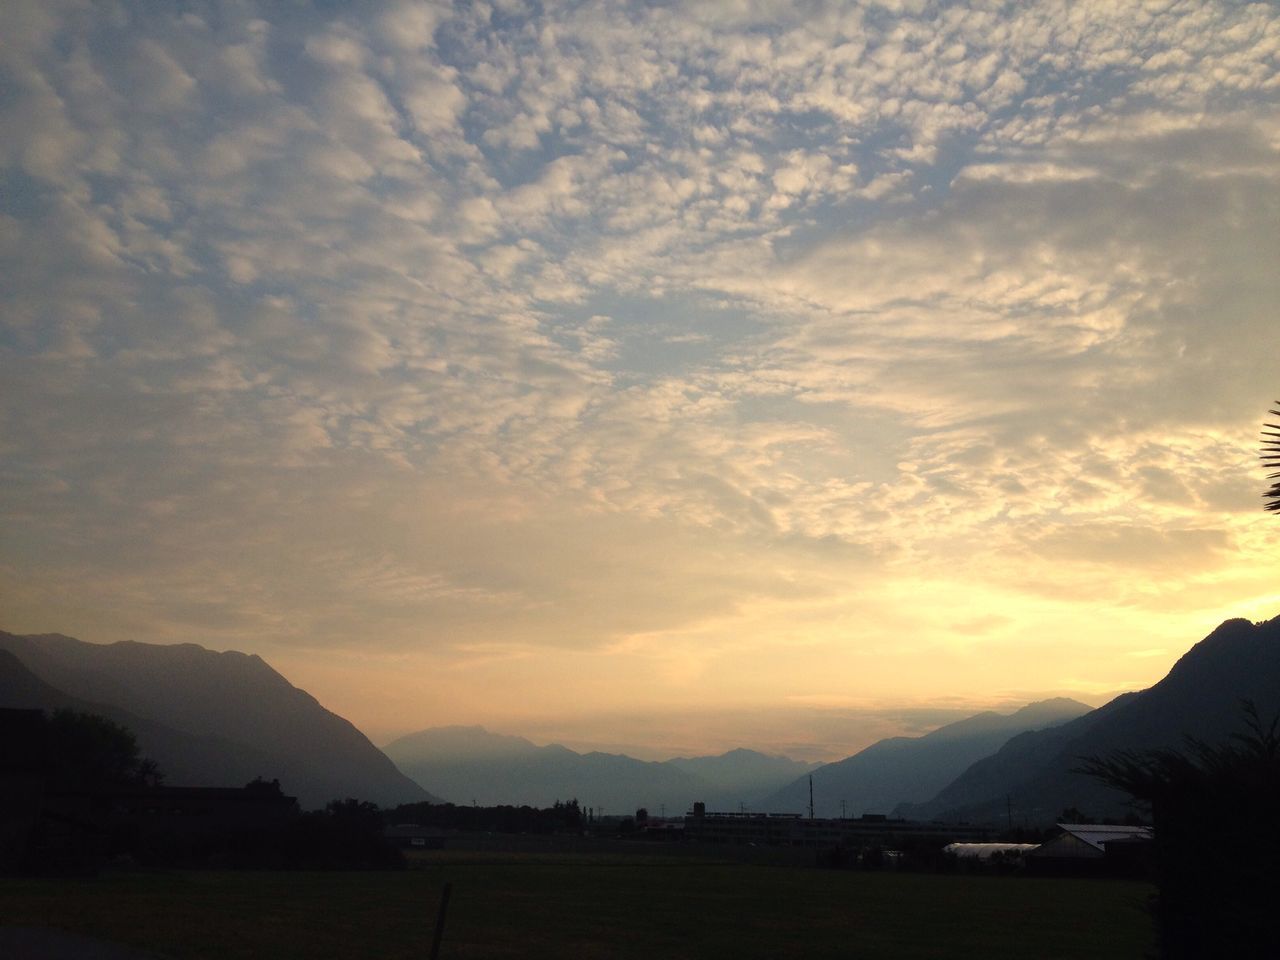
843,812
811,796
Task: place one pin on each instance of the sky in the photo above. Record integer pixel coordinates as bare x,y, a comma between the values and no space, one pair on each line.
672,376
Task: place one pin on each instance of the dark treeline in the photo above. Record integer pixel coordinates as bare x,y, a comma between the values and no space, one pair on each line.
1214,808
345,835
76,795
557,818
73,750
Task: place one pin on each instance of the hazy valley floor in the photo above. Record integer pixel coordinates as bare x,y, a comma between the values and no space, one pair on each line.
607,906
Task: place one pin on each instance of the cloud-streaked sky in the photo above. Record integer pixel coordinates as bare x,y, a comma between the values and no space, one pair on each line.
606,369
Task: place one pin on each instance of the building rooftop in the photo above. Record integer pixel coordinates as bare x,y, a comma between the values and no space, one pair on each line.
1099,834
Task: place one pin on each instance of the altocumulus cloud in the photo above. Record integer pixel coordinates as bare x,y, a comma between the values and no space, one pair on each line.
640,342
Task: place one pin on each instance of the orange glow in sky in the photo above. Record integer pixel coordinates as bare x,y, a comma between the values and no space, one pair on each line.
678,377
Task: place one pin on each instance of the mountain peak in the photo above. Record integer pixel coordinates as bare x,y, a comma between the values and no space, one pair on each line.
1235,649
1200,697
900,769
1053,706
226,717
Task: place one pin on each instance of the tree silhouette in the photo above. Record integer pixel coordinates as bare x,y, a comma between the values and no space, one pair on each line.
86,750
1213,810
1271,459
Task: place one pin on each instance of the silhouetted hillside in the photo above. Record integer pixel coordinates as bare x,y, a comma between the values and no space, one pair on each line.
470,763
211,718
903,769
1032,776
184,759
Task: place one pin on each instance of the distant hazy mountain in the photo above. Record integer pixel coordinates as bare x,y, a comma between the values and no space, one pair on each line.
207,718
470,763
743,775
902,769
1031,777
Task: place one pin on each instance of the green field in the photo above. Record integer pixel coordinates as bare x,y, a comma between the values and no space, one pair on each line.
564,906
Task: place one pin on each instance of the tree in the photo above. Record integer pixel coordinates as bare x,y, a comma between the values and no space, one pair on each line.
346,835
85,750
1213,810
359,816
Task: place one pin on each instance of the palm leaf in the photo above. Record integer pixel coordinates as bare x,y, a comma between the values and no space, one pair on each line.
1271,459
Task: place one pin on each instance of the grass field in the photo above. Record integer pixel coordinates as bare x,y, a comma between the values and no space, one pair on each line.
563,906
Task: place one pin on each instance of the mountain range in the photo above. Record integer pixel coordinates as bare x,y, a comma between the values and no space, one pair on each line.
468,764
1033,777
913,769
207,719
223,719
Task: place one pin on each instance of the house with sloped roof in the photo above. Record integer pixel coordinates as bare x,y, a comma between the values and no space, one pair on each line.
1089,841
1106,849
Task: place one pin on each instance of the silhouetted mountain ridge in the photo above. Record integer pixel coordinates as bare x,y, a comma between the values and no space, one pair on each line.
213,718
900,769
184,759
1033,776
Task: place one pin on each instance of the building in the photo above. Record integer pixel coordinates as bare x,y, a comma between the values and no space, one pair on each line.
1108,849
1089,841
983,852
793,830
411,836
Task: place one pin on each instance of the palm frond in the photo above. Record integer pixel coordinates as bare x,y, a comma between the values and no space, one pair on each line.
1271,460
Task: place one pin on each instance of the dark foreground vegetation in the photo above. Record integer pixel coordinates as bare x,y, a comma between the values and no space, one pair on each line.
557,818
1217,839
506,905
99,846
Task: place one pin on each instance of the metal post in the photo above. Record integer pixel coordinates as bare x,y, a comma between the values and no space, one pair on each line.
444,905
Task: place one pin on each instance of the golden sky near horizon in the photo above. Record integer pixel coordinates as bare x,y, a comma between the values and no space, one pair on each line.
678,376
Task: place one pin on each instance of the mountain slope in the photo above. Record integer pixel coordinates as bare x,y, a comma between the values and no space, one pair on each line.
902,769
184,759
1032,776
214,717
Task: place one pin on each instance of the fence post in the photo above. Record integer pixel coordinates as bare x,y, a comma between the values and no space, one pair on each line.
444,905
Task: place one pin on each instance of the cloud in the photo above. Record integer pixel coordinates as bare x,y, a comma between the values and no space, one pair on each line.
722,329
